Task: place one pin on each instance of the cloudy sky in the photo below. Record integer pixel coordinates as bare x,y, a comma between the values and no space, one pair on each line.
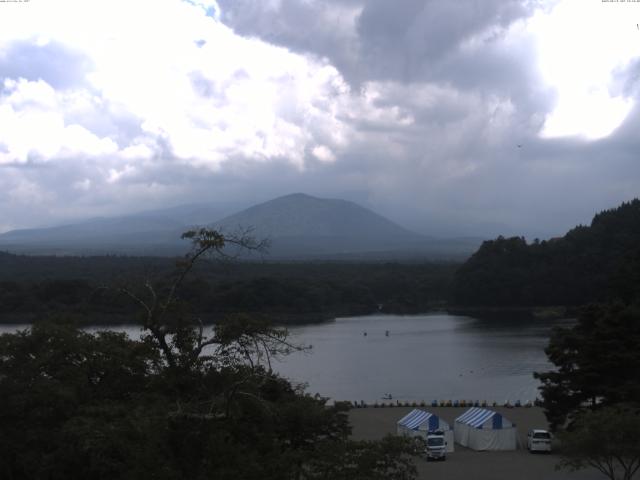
466,117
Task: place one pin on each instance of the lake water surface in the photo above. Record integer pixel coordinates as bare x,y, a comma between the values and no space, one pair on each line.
424,357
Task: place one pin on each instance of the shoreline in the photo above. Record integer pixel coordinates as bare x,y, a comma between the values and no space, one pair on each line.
550,312
287,319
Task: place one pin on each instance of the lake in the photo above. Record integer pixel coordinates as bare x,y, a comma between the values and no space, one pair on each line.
423,357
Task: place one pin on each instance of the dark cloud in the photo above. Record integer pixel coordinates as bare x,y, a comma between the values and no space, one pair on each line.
403,40
406,40
323,29
413,42
440,129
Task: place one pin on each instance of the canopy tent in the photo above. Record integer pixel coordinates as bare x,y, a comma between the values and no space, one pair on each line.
482,429
417,423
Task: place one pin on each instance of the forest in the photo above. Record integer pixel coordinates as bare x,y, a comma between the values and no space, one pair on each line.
90,288
599,262
187,402
181,402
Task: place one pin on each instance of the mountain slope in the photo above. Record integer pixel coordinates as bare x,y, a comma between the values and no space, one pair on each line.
303,215
298,225
156,231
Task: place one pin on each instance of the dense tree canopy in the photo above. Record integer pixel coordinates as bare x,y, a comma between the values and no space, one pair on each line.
179,403
285,292
592,397
607,439
75,405
595,263
597,363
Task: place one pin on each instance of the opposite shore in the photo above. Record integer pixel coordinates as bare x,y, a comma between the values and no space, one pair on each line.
517,313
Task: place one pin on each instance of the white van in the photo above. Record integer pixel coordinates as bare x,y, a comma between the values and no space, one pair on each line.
538,441
436,446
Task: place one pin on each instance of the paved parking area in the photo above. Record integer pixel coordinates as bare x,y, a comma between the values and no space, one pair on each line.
466,464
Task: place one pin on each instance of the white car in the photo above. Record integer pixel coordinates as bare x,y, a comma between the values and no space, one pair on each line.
538,441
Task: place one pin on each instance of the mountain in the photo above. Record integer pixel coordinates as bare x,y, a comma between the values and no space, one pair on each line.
591,263
301,226
298,226
299,215
154,232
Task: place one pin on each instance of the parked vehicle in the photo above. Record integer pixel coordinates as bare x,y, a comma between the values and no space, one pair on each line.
538,441
436,446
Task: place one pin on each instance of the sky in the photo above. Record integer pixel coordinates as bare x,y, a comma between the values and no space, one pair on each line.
470,117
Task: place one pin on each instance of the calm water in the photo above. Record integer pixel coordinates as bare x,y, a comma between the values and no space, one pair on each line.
424,357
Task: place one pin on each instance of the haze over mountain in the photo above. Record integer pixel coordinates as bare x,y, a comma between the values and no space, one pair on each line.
298,226
153,232
303,215
451,120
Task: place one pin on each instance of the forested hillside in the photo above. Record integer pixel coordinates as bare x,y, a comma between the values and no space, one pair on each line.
31,287
590,263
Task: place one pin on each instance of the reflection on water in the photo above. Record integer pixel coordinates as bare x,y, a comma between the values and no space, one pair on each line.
423,357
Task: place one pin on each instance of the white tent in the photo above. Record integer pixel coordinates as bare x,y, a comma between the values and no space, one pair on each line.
417,423
482,429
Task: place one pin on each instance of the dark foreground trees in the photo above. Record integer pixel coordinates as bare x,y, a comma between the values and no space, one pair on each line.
179,403
607,439
597,363
592,398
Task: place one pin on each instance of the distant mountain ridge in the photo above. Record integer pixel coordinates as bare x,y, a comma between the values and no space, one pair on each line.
153,232
299,226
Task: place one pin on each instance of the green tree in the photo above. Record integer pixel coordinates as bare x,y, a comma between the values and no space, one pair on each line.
180,403
595,263
64,396
363,460
597,363
607,439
